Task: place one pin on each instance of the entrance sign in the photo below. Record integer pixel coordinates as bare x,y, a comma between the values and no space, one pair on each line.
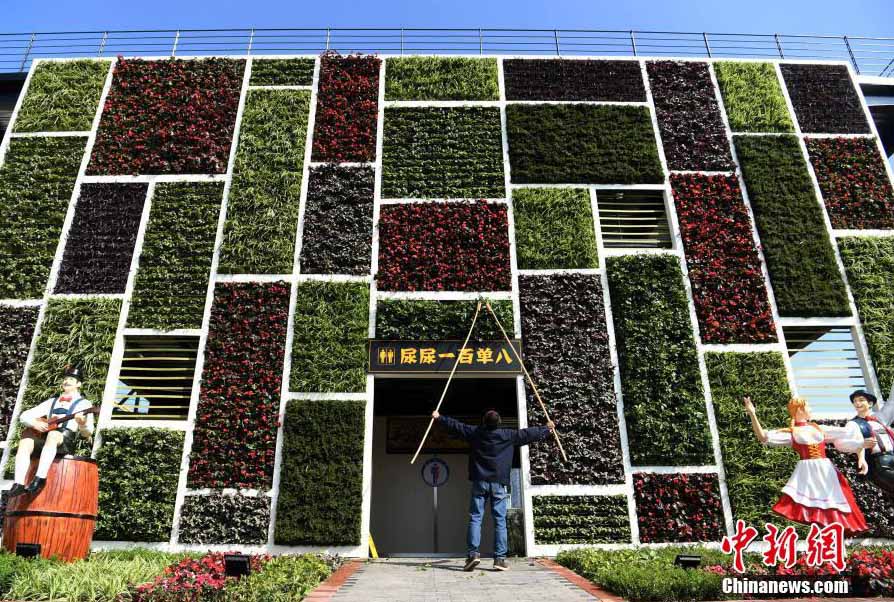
435,472
420,358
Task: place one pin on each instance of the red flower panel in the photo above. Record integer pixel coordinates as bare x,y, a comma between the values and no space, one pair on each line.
678,507
728,288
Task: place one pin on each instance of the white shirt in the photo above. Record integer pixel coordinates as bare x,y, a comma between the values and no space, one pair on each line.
30,417
855,436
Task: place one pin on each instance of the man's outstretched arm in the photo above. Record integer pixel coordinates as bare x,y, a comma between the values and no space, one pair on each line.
533,433
455,427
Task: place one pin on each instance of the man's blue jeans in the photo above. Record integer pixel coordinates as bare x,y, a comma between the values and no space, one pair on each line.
499,502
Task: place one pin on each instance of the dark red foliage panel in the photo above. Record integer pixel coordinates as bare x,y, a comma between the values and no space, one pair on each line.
444,246
824,99
728,288
678,507
168,117
854,183
347,109
563,79
235,434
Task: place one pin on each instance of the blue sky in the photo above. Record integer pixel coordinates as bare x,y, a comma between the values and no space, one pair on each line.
854,17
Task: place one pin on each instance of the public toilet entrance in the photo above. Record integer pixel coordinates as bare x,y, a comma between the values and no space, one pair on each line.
402,517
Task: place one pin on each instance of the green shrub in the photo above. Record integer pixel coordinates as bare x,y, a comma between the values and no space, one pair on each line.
554,229
754,474
172,279
262,208
138,473
663,399
753,97
219,518
567,519
582,144
282,72
789,218
331,326
62,96
321,485
441,78
432,320
869,263
283,579
36,182
442,152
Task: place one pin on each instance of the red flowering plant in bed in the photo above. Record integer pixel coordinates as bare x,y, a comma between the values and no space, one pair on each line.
168,117
237,418
462,246
678,507
854,183
192,579
728,288
347,109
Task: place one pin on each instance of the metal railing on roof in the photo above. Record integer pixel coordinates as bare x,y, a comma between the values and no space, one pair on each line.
868,55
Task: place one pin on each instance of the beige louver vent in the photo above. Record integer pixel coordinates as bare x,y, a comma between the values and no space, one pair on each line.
633,219
156,378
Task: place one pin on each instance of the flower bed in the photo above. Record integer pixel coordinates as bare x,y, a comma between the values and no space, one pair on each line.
338,221
566,351
724,267
101,240
321,483
236,420
796,245
441,78
219,518
824,99
282,72
562,79
692,130
421,320
36,182
576,519
869,263
664,403
582,144
853,181
171,283
442,152
191,579
752,97
16,329
554,229
62,96
329,349
139,469
262,207
755,474
347,109
168,117
437,247
678,507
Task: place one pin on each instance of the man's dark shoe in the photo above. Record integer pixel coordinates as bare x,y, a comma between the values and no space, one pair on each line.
500,564
473,561
16,490
35,486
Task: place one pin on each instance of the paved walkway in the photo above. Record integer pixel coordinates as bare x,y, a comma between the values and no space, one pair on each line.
443,580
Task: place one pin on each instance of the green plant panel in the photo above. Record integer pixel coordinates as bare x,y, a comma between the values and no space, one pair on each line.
580,519
441,78
582,144
447,320
755,474
869,263
554,229
789,219
282,72
62,96
321,484
138,473
664,404
36,182
262,207
329,348
172,280
442,152
753,97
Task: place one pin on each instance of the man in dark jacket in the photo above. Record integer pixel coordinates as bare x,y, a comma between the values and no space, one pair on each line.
490,461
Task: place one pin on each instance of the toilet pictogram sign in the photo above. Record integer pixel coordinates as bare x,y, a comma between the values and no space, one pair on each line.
435,472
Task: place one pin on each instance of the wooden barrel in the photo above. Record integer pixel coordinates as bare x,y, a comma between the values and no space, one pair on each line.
62,516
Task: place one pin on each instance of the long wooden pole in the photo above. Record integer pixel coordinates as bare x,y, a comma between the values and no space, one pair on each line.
528,376
447,384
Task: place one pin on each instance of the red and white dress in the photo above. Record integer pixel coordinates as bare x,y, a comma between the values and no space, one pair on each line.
816,492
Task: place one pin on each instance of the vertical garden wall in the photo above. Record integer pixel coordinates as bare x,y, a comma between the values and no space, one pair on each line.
279,212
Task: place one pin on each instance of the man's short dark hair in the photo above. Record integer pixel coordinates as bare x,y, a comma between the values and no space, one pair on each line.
491,419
